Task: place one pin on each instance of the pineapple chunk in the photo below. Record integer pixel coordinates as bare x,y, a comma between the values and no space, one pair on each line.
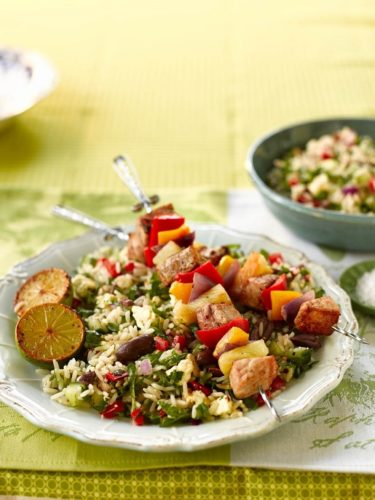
183,313
171,248
255,265
215,295
235,337
187,313
255,349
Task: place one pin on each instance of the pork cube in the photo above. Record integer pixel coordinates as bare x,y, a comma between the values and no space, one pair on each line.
249,374
213,254
137,243
181,262
248,291
317,316
214,315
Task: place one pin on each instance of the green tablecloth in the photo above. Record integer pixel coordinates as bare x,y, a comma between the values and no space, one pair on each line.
184,88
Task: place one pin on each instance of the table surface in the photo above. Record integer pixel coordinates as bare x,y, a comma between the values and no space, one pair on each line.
184,88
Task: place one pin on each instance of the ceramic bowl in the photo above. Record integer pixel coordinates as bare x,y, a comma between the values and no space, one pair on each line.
26,77
326,227
349,281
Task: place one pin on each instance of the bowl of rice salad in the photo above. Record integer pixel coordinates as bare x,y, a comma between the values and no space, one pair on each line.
174,353
318,179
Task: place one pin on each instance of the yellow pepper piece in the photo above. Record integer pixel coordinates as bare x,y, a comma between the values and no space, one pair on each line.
235,337
172,234
181,291
278,299
224,264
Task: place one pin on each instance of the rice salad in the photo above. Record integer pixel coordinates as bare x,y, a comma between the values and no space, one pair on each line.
170,381
334,172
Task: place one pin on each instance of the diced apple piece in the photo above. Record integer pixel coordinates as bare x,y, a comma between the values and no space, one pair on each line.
255,349
235,337
171,248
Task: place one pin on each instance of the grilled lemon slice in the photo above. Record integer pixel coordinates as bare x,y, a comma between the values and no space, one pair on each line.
48,332
47,286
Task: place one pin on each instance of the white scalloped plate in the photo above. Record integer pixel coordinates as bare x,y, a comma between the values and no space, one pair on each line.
20,386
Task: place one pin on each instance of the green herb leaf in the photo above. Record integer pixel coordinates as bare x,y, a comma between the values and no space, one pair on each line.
202,412
157,288
93,339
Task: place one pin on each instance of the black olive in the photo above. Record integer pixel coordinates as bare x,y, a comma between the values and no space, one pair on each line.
135,348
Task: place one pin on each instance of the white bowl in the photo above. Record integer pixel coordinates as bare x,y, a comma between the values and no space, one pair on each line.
25,78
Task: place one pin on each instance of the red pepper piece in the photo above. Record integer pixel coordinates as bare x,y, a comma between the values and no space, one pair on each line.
161,344
207,269
259,399
149,256
113,410
162,413
211,337
280,284
163,223
196,386
115,377
129,268
76,303
110,267
137,417
293,181
326,155
181,340
275,258
277,384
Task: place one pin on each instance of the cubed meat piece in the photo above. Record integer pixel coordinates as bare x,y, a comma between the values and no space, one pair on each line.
213,254
249,374
138,239
248,291
317,316
181,262
137,243
214,315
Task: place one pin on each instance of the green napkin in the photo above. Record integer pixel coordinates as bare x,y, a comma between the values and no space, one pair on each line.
26,226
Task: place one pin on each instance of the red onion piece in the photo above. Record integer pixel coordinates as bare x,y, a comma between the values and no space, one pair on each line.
200,285
290,310
349,189
145,367
229,276
186,240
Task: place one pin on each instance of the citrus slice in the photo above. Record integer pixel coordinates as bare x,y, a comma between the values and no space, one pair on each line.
47,286
49,332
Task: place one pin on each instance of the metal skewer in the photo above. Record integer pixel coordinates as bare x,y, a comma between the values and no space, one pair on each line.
269,405
86,220
348,331
127,172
